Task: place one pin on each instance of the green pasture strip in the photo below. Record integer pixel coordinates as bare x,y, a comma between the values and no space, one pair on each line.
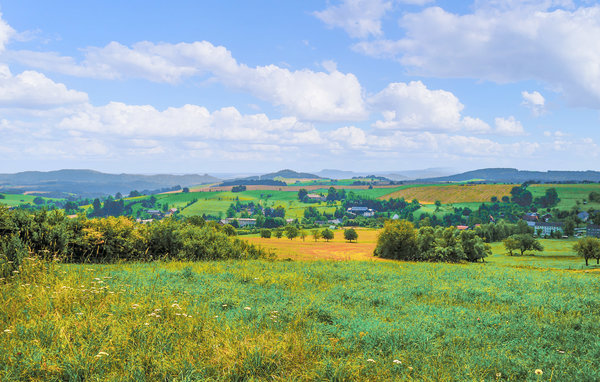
569,194
303,321
558,254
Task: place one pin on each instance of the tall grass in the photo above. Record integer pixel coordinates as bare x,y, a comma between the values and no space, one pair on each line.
261,320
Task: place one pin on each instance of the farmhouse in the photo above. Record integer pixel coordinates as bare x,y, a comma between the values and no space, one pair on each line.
315,197
546,229
155,213
242,222
364,211
583,216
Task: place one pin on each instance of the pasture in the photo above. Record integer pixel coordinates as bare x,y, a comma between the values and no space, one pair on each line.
298,320
571,195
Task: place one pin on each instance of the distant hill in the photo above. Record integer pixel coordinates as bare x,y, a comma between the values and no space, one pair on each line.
391,175
290,174
269,179
94,183
512,175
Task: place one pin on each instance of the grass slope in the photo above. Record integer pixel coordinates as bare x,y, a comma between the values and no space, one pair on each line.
304,321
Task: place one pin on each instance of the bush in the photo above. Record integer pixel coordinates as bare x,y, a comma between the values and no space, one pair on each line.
265,233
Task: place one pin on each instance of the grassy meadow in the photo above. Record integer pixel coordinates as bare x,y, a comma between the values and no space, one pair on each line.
298,320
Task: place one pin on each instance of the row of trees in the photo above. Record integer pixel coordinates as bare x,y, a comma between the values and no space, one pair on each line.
291,232
400,240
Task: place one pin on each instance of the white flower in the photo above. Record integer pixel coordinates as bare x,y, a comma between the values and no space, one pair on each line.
247,308
101,354
7,331
371,360
397,361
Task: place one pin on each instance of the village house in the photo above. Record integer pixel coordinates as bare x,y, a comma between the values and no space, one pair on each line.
316,197
242,222
593,230
546,229
363,211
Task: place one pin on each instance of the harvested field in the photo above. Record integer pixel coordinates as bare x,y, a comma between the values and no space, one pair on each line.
452,193
336,249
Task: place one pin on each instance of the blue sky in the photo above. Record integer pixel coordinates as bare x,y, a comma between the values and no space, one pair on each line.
364,85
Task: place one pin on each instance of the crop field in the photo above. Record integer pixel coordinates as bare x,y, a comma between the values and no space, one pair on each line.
298,320
453,193
569,194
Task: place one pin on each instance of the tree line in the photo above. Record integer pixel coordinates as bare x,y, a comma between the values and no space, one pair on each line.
52,234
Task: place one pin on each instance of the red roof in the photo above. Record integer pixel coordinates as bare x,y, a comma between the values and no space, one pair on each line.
462,227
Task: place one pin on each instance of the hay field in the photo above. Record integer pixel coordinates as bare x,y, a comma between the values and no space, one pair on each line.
452,193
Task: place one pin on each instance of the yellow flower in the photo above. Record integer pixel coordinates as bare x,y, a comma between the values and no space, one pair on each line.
538,372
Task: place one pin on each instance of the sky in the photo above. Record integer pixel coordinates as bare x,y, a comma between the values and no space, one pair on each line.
259,86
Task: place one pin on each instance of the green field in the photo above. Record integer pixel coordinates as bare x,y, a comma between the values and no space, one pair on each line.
13,200
569,194
314,321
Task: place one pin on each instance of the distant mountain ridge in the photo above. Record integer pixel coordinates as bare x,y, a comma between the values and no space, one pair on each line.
512,175
95,183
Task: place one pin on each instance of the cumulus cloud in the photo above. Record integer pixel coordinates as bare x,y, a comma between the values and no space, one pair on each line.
509,126
144,122
360,18
309,95
413,106
534,101
517,41
32,89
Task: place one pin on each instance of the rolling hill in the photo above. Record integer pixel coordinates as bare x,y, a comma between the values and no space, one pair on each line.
94,183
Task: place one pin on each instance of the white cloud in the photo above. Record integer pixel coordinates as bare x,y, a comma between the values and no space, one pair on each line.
359,18
413,106
6,33
143,122
509,126
32,89
534,101
309,95
519,41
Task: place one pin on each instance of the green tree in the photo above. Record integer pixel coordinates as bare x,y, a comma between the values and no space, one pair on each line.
302,194
302,235
327,234
316,234
39,200
332,194
185,190
278,233
494,199
474,247
511,244
589,248
291,232
526,242
569,227
229,230
350,234
397,240
265,233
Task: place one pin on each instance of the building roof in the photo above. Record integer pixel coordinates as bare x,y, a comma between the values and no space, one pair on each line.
543,224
